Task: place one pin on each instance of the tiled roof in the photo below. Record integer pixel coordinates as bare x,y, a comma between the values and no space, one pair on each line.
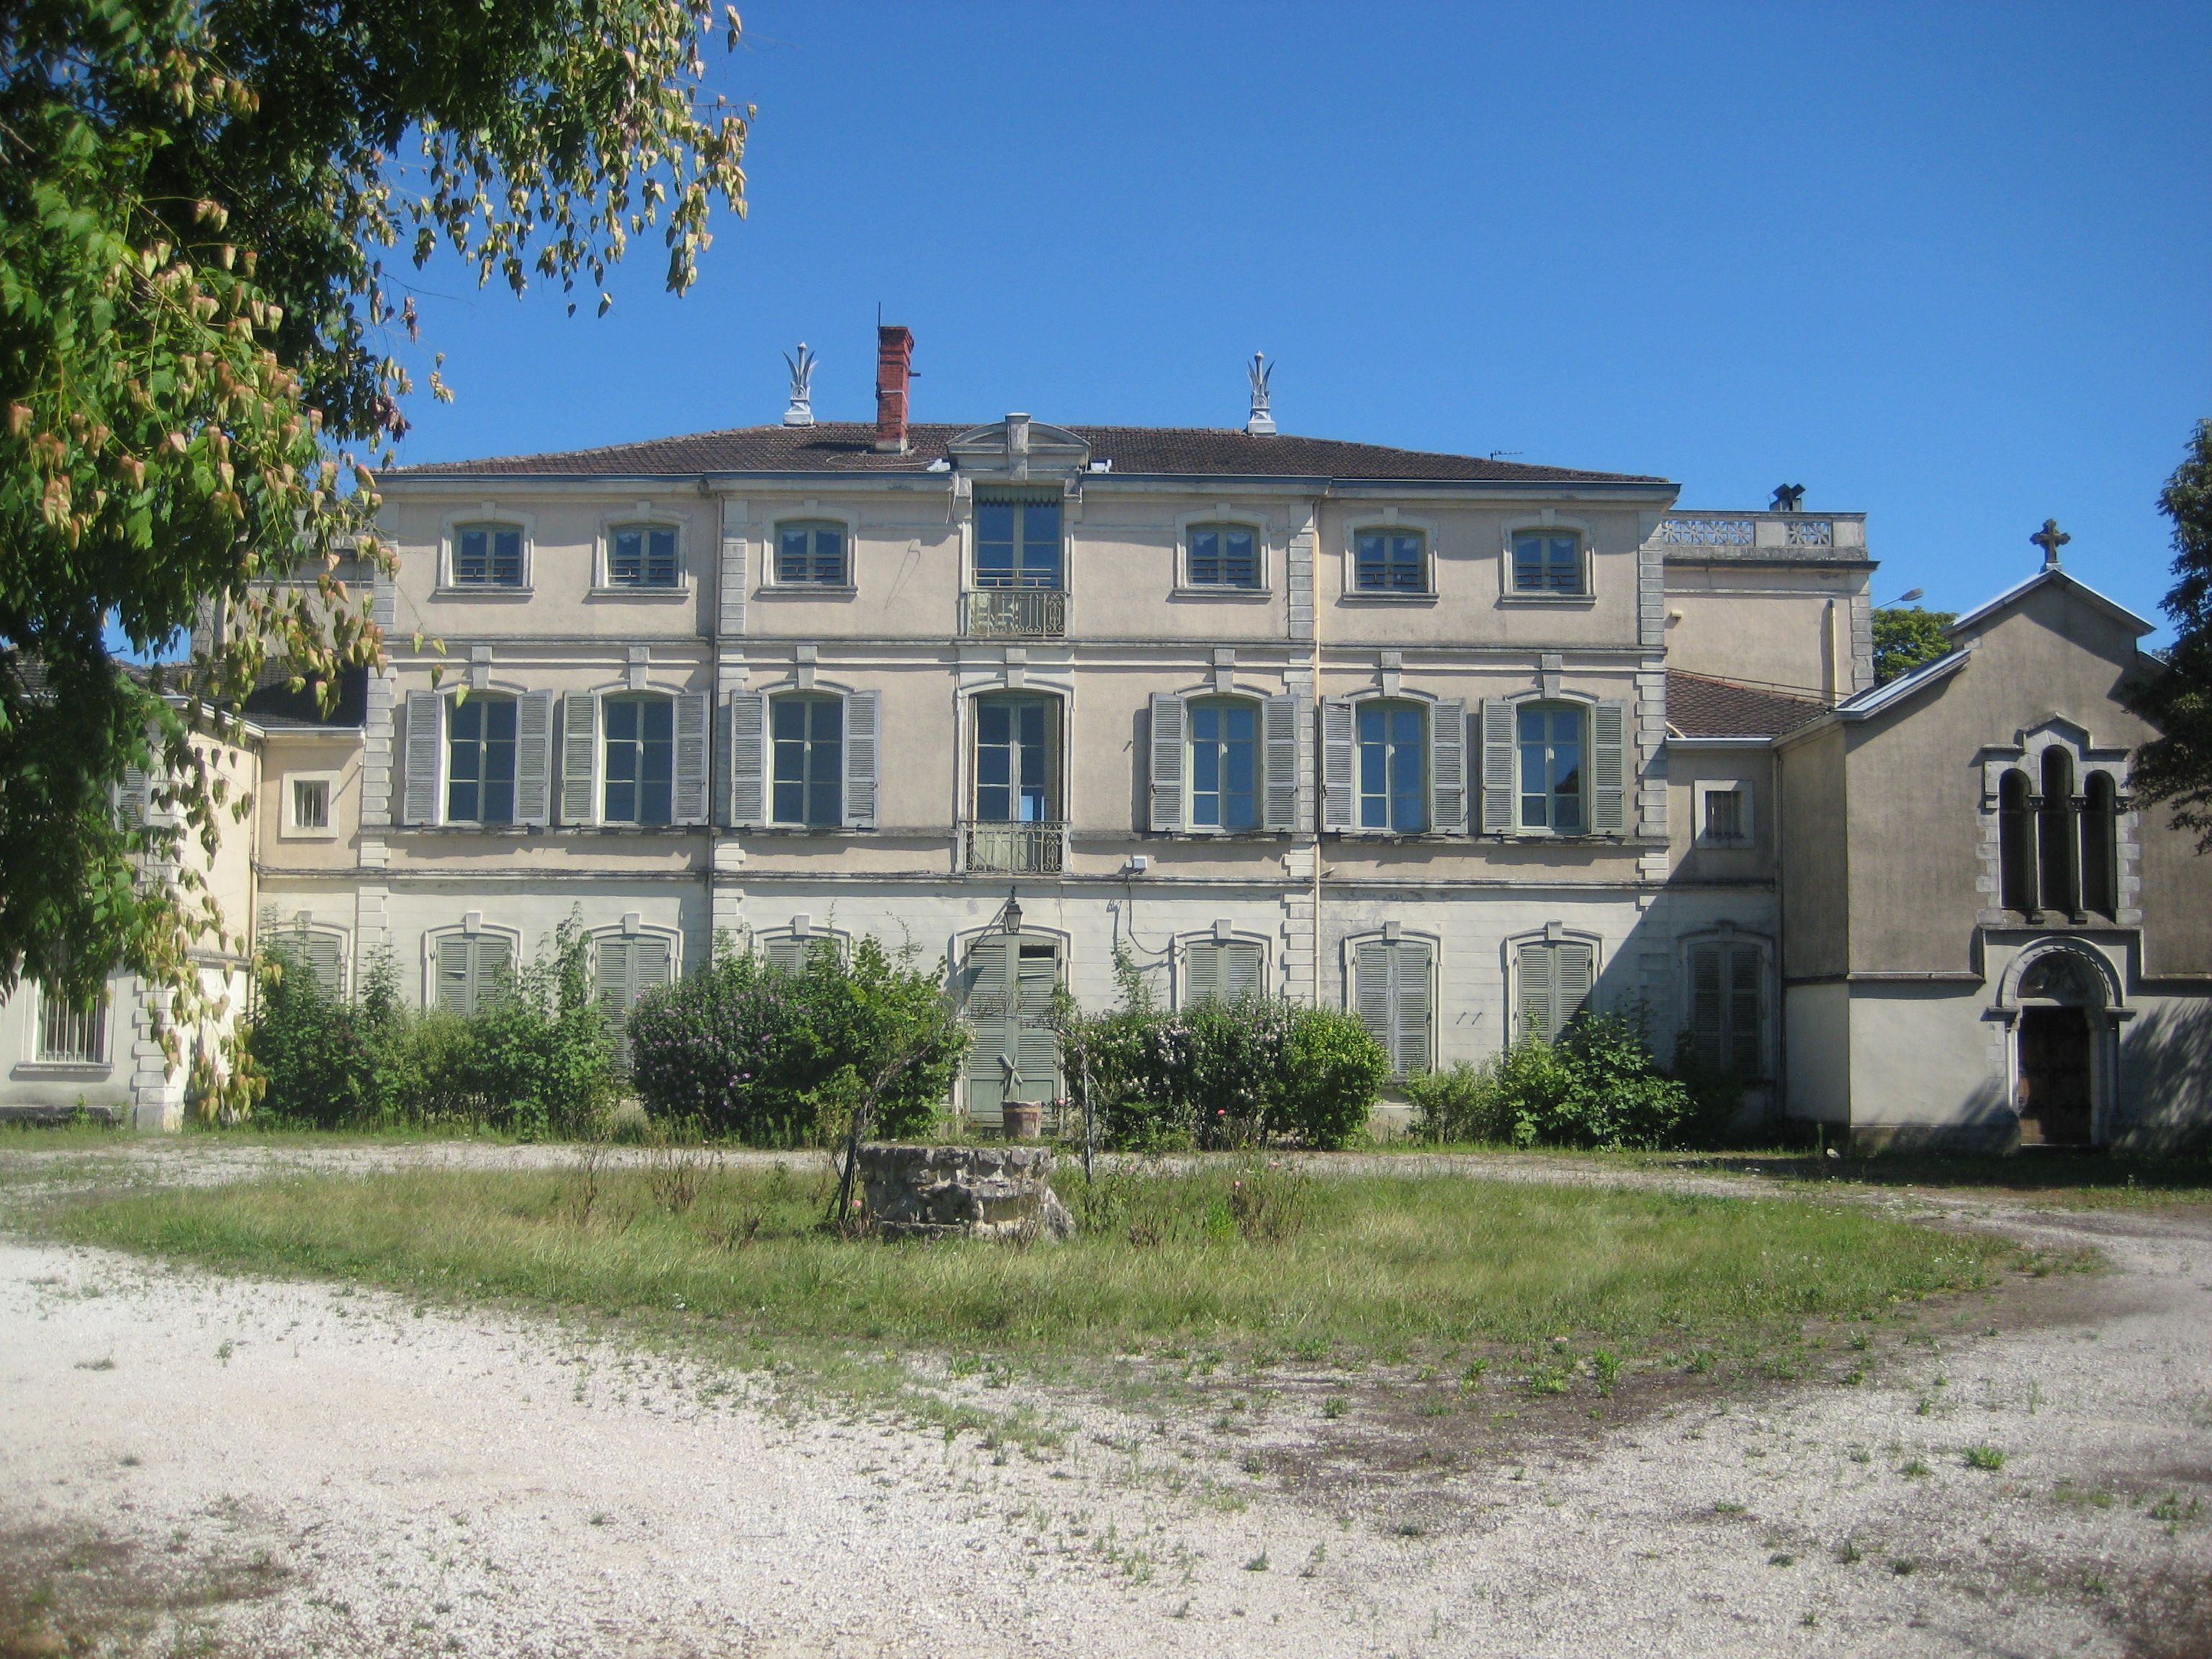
848,447
1700,706
273,705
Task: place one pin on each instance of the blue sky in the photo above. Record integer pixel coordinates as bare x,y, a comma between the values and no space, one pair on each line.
1950,264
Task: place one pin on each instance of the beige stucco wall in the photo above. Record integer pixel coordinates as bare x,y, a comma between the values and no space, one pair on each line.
1817,1052
1789,627
1920,1055
1815,856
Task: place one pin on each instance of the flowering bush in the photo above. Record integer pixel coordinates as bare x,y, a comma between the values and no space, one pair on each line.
780,1057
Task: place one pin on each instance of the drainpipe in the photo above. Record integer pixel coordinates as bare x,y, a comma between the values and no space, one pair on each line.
1313,658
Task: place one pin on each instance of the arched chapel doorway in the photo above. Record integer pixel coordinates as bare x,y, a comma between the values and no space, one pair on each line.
2062,1023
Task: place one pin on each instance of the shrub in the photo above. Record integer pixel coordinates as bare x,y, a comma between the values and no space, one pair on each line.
1335,1070
783,1058
1598,1085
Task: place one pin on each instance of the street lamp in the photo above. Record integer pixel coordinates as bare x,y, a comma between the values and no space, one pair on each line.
1010,919
1906,597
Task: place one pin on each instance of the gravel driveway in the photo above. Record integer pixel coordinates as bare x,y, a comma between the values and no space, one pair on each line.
194,1463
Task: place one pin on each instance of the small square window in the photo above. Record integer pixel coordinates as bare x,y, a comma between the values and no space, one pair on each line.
488,555
1223,556
811,552
642,555
1722,812
1547,562
311,804
1390,562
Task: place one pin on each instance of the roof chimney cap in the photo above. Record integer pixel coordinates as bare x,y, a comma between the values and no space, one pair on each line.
1787,498
801,413
1261,423
894,369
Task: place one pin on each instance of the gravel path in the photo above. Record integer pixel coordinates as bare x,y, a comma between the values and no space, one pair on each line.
190,1463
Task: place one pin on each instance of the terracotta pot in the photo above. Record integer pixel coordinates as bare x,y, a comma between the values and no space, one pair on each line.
1021,1120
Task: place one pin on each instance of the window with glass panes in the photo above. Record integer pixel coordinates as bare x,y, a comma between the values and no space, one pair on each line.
1547,562
1551,742
1724,816
1224,737
812,552
488,555
1223,556
808,780
1014,740
1017,544
1390,562
1394,755
642,555
640,759
480,761
1727,1006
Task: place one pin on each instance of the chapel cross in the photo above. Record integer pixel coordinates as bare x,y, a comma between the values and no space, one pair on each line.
2050,538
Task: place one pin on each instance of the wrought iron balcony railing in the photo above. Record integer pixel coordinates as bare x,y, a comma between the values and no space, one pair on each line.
1017,613
1016,850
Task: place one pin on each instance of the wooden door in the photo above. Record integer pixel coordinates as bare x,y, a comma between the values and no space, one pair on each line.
1007,998
2057,1099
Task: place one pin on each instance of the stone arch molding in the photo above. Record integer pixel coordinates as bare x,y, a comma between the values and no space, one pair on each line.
2095,961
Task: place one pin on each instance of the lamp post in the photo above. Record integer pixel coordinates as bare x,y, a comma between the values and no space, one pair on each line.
1010,917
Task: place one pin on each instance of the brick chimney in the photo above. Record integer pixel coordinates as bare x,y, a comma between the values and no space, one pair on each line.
894,368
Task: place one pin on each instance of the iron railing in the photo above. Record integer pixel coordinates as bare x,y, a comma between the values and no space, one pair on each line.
1017,613
1016,850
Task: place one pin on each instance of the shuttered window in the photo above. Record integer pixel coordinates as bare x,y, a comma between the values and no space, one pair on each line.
792,952
1222,968
1727,1007
472,970
320,954
480,761
623,969
1017,742
1224,764
640,760
1555,977
1396,996
1393,766
809,760
1005,988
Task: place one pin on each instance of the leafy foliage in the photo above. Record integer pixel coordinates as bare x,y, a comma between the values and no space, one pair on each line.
1905,640
196,202
1599,1085
536,1061
784,1058
1221,1073
2176,767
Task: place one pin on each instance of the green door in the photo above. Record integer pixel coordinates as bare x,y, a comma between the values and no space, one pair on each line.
1005,993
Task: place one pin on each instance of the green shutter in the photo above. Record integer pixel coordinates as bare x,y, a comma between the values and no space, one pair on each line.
1746,1044
491,965
1573,973
1609,726
1539,993
1241,968
1036,1044
1500,811
1372,989
1413,979
1201,971
987,1002
1168,741
454,990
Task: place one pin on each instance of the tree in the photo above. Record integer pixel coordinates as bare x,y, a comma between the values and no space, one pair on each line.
197,202
2176,766
1904,640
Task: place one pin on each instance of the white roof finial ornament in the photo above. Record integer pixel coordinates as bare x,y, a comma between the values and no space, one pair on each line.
1263,421
801,413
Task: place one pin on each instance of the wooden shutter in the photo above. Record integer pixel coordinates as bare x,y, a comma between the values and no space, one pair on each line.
1707,1017
1336,804
688,798
1240,969
1746,1048
1411,978
1500,814
1371,991
491,964
419,797
611,980
863,724
1168,739
987,1001
1201,963
748,719
1538,992
1609,768
134,796
580,758
533,759
1036,1044
454,985
1448,768
1279,719
787,950
324,956
1573,966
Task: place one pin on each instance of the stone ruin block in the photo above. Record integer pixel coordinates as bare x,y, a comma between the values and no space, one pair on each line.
971,1192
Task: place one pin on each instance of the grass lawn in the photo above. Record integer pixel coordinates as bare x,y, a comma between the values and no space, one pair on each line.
1347,1267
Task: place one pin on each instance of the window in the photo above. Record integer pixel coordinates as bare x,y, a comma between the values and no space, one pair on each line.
1390,562
71,1033
2058,852
809,781
1017,544
1394,997
1555,976
1547,562
1223,556
1725,814
1006,984
641,754
480,762
794,951
318,953
642,555
1727,1007
1222,968
1224,740
488,555
1394,792
474,970
311,803
1551,743
1722,812
2055,846
2101,862
623,968
1014,760
812,551
2017,857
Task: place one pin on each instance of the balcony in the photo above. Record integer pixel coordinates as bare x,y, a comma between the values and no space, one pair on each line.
1016,613
1015,850
1763,535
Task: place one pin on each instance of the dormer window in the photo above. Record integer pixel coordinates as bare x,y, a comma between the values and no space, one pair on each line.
1223,556
1547,562
1390,560
488,555
642,555
811,550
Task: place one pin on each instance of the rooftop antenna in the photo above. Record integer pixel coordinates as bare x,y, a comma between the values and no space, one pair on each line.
801,413
1500,454
1261,422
